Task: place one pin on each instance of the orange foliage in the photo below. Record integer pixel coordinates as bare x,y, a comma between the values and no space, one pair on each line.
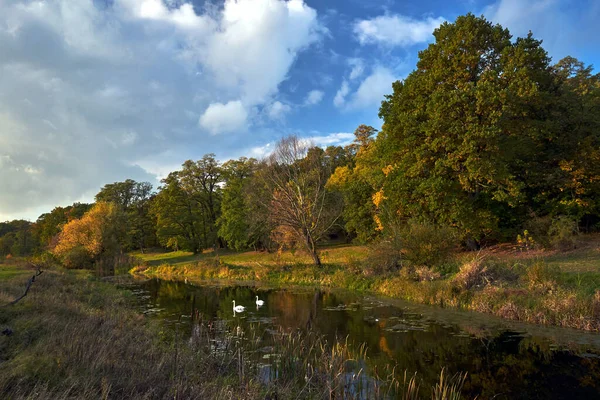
86,235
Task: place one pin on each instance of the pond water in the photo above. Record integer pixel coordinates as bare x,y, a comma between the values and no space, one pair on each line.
503,360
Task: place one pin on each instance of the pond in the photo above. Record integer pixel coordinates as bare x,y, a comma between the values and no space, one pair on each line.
503,360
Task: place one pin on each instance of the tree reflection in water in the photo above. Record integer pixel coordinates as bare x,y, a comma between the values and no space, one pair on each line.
501,364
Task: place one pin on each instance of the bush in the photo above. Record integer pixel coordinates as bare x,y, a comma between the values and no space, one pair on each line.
472,273
553,233
541,277
77,257
426,274
562,233
426,244
411,245
537,229
384,256
46,259
479,272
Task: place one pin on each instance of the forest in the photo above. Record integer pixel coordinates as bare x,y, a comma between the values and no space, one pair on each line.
486,141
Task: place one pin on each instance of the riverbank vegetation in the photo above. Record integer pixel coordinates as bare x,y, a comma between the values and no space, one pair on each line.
544,287
487,142
78,336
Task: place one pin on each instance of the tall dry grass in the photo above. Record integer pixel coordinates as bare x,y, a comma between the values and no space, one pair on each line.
78,337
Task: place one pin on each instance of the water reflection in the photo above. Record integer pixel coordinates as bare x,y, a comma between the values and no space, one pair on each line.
501,364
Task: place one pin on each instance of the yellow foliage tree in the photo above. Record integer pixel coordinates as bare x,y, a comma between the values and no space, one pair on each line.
83,241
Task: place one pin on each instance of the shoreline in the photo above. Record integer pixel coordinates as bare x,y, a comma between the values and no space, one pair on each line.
559,307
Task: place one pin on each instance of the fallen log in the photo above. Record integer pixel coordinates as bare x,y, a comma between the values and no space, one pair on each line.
38,272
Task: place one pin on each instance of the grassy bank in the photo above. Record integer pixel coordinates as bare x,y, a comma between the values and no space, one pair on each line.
79,337
543,287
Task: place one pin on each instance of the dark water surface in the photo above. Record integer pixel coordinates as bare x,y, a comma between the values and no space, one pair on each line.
504,360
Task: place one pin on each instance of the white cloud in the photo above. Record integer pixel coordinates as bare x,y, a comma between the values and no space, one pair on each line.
257,43
564,28
88,88
370,92
517,13
277,110
224,118
396,30
260,152
373,88
128,138
332,139
358,68
314,97
340,96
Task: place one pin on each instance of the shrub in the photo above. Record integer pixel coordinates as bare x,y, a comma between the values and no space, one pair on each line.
425,244
409,246
556,233
479,272
77,257
541,277
46,258
426,274
537,229
562,233
472,273
385,256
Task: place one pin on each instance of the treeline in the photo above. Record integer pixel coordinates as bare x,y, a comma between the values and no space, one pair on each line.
486,139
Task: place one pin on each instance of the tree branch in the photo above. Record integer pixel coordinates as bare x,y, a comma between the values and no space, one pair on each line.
38,272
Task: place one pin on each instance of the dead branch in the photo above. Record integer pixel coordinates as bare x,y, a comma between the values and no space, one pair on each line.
38,272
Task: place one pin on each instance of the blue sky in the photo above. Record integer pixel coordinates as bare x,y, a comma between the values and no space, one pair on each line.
96,91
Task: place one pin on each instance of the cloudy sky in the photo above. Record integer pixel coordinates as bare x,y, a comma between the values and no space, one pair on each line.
97,91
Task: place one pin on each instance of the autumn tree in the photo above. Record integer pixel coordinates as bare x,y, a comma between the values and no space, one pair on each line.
48,225
358,181
299,202
97,236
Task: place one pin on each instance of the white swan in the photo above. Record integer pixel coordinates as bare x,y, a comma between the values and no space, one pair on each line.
259,302
238,308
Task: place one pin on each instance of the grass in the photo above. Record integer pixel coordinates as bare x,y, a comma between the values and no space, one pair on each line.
11,270
330,255
80,337
544,287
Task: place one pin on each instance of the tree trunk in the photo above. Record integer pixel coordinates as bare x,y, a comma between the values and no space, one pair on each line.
312,249
472,244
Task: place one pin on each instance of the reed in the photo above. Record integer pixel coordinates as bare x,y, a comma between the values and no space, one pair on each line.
79,337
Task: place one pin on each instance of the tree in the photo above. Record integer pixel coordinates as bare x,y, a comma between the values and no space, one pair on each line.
300,203
49,225
357,182
178,220
17,238
201,180
572,156
133,199
462,131
240,220
97,236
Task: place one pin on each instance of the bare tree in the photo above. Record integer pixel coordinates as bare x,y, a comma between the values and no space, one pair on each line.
300,203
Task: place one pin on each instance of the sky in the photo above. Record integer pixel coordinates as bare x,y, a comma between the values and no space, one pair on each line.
99,91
